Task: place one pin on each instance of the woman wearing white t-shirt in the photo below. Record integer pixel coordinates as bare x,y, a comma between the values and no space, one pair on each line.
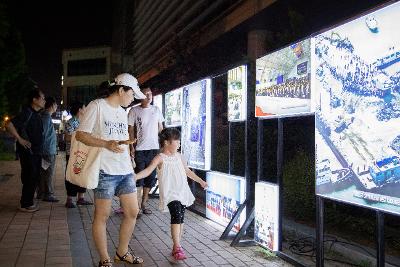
108,119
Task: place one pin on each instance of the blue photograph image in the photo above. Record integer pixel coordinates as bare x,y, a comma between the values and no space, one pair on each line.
356,83
196,124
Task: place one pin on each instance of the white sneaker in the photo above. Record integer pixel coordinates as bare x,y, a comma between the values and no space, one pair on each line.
32,208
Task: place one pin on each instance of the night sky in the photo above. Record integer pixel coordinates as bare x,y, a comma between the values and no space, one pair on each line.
47,27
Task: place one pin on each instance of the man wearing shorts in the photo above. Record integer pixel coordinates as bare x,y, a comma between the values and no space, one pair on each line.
145,122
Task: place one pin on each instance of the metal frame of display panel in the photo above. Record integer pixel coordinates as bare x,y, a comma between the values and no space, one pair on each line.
279,175
230,152
248,201
280,157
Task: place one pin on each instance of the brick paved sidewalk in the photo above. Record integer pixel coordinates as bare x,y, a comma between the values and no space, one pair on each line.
31,239
56,236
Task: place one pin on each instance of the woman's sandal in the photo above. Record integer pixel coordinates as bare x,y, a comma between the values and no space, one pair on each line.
125,258
105,263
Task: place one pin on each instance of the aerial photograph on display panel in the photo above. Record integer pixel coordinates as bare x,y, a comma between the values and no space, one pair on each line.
356,81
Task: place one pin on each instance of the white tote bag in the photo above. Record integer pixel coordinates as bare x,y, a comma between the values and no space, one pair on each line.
84,162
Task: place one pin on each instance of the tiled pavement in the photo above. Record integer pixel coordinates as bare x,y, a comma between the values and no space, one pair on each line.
55,236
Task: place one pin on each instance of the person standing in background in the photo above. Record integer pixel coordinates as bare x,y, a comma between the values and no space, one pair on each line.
145,122
27,129
73,191
45,189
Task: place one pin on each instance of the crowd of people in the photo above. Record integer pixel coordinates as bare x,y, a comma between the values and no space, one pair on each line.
291,88
127,140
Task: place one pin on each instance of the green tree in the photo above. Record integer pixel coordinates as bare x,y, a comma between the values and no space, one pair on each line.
16,91
12,59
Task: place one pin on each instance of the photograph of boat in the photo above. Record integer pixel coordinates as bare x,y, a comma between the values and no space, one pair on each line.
355,81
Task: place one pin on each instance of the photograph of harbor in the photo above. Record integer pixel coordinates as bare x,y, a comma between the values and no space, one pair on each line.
356,85
173,108
196,124
157,101
237,90
224,195
283,81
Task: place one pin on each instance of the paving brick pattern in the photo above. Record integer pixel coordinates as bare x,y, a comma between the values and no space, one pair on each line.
56,236
31,239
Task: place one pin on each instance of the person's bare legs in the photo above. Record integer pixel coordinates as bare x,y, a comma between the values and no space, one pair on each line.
81,195
145,197
180,232
139,191
130,207
175,234
101,213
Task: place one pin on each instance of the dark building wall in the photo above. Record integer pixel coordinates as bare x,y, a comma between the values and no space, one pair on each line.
169,43
154,36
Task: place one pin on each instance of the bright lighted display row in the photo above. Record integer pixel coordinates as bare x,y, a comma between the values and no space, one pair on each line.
190,108
349,76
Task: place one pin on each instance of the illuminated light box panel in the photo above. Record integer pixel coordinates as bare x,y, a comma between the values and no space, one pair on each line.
237,94
283,82
196,124
355,77
173,108
224,195
157,101
266,220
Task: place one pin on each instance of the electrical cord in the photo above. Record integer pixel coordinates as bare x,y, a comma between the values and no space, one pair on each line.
306,247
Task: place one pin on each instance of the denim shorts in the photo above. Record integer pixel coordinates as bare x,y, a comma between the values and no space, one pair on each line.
114,185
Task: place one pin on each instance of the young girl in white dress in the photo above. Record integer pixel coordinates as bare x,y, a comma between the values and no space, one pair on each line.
175,194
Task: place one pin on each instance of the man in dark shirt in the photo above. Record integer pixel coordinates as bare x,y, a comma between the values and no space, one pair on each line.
27,129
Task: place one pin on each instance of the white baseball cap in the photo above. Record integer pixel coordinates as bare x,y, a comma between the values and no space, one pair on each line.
126,79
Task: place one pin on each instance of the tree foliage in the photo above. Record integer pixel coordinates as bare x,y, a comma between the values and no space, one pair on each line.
12,59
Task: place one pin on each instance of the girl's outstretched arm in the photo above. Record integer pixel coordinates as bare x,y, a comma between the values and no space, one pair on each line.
146,172
192,175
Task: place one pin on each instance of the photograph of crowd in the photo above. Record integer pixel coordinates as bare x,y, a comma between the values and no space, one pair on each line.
292,88
283,81
224,195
